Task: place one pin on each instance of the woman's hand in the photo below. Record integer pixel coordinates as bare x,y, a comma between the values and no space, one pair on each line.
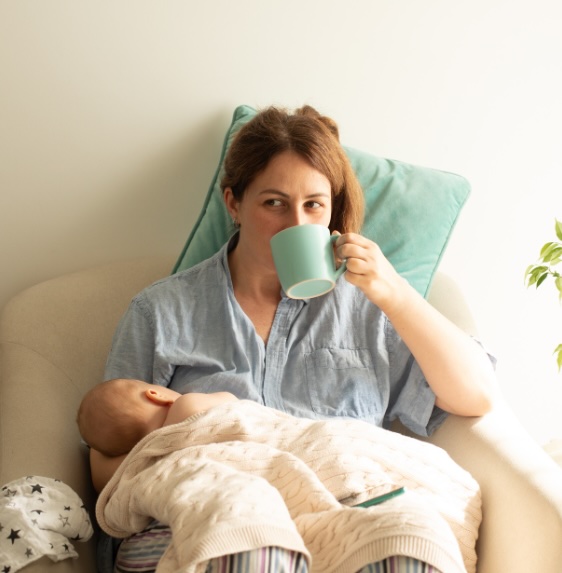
369,270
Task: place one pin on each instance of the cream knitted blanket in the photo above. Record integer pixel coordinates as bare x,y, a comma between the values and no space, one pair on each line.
242,476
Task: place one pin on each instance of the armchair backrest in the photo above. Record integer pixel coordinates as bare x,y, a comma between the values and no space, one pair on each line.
54,339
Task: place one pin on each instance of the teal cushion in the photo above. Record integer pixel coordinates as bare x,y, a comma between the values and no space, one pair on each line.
410,211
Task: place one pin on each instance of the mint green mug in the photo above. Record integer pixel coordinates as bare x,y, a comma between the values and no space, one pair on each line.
305,262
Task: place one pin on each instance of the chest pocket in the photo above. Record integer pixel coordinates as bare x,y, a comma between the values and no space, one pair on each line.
342,382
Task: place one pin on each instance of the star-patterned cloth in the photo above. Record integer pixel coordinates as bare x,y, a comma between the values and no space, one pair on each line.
39,516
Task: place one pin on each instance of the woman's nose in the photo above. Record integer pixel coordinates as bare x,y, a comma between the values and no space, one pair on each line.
297,217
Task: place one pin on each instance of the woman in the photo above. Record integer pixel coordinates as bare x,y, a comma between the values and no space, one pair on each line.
371,349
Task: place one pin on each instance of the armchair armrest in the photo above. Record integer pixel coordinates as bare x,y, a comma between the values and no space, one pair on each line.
521,491
521,485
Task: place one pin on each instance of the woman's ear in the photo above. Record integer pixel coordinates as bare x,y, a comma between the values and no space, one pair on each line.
158,398
231,203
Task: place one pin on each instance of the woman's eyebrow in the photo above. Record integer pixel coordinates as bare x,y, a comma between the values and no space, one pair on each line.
287,195
273,192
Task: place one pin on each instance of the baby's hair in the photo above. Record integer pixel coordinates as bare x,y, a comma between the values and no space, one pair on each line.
108,417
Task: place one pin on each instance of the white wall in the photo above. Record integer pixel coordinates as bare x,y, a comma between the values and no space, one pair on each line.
112,114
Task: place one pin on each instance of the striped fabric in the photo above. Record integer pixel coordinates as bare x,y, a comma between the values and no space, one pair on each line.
265,560
140,554
399,564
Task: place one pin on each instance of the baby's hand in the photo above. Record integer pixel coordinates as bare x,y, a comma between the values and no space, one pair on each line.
188,405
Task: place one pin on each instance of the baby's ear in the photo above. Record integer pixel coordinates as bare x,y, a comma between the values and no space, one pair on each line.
157,397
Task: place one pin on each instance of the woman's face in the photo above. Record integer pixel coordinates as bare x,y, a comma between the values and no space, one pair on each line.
288,192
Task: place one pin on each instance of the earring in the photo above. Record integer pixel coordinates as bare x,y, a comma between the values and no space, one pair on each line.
235,223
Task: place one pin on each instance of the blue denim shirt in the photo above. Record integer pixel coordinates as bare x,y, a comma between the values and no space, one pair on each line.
335,355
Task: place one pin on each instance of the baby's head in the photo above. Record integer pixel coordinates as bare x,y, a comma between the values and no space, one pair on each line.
115,415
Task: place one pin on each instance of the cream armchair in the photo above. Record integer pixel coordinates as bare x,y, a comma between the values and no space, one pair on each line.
54,338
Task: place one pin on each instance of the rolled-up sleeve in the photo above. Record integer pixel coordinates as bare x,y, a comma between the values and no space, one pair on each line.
133,345
412,401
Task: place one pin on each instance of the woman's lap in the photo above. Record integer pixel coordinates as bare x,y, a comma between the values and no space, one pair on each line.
141,553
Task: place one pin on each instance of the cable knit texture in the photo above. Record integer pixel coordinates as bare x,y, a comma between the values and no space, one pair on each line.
242,476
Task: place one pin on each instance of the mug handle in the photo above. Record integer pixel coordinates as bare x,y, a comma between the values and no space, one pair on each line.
343,267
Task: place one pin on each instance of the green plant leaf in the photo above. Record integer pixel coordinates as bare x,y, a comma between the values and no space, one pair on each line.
558,352
555,260
558,228
535,272
552,253
541,279
530,279
558,284
539,269
546,248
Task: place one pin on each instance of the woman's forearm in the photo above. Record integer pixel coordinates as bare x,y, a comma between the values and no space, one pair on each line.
102,468
455,366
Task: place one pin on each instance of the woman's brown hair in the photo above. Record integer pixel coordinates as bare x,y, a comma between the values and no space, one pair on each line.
312,136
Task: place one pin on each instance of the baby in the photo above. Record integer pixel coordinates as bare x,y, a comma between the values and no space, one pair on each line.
303,466
115,415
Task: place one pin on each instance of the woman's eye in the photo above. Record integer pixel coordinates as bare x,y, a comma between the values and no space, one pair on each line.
313,205
273,202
